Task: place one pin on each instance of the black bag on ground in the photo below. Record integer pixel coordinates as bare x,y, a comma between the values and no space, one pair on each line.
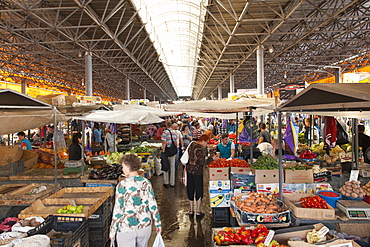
171,150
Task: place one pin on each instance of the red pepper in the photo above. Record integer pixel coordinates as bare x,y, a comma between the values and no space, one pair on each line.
260,238
262,227
254,233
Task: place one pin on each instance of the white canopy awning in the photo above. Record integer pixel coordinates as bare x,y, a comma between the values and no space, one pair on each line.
19,112
154,111
121,117
217,106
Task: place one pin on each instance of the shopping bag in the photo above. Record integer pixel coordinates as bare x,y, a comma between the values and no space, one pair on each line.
185,156
158,242
185,177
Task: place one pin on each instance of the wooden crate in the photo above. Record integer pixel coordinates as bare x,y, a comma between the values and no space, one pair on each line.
39,174
19,194
90,197
85,180
335,171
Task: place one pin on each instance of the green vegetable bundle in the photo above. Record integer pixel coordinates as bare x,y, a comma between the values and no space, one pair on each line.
265,162
141,149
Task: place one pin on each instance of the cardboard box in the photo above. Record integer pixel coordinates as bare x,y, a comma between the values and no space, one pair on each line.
219,200
315,187
59,100
255,218
361,230
298,176
222,186
217,174
241,170
266,176
268,188
308,213
70,99
322,176
283,236
294,188
10,154
30,159
242,183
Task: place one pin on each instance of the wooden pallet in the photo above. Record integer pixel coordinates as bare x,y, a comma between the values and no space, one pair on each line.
39,174
19,194
335,171
91,197
85,180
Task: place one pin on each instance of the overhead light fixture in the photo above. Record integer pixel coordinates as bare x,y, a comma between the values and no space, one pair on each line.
285,74
271,49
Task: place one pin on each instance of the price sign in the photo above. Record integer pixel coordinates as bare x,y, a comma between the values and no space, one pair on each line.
354,175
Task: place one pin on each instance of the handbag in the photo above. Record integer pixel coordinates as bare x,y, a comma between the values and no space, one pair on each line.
185,156
158,242
172,149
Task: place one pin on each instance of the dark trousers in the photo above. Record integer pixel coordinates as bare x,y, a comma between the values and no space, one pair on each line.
194,183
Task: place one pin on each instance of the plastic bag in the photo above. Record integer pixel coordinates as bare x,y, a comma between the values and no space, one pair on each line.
158,242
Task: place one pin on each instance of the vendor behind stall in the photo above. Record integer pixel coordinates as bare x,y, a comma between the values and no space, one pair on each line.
226,147
75,149
25,143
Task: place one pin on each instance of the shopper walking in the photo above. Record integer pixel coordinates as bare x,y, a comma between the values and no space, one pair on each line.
168,137
135,207
194,171
186,135
196,132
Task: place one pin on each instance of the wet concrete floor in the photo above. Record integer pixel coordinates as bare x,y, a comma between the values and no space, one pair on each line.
178,229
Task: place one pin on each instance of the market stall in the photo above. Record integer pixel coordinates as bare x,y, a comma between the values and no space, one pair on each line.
340,100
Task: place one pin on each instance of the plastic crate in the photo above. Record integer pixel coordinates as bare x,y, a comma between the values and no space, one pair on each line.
98,236
12,169
102,216
76,225
221,215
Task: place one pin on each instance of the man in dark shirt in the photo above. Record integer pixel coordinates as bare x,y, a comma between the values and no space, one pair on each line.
264,134
363,140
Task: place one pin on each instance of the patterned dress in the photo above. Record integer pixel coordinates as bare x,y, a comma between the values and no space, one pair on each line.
134,207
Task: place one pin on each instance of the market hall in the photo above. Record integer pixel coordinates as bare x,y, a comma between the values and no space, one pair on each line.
86,84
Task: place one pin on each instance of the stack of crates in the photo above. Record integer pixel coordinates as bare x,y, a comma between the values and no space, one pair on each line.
99,224
74,229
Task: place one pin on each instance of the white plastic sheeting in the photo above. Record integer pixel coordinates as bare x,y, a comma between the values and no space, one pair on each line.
154,111
122,117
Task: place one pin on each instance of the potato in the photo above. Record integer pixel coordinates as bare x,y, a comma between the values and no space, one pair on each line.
348,183
354,195
357,191
362,194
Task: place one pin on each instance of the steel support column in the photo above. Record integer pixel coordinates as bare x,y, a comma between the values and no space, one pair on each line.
24,86
144,93
220,92
128,88
338,75
260,72
232,84
88,74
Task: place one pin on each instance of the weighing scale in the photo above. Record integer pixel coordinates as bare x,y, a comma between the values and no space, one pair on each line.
354,209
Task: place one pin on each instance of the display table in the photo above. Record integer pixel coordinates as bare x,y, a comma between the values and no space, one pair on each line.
38,174
97,183
341,218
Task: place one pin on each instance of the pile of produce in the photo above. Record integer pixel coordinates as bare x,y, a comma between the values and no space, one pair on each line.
30,222
258,202
265,162
313,202
226,163
6,225
232,136
46,159
307,154
114,157
69,209
141,149
213,142
366,189
107,172
295,166
352,189
243,236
